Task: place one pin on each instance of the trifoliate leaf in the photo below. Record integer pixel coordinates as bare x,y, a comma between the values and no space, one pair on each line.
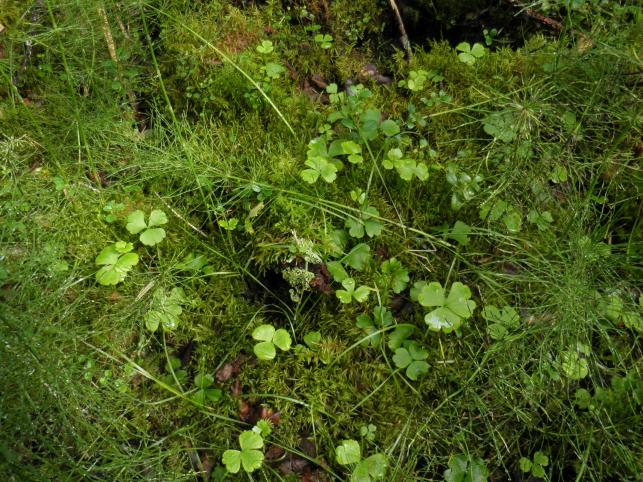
249,440
416,369
525,464
402,358
458,300
203,380
112,274
541,459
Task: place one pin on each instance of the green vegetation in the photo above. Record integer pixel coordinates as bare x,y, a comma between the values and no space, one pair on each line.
254,241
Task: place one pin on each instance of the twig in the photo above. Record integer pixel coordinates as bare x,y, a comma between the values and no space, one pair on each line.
530,12
180,217
400,24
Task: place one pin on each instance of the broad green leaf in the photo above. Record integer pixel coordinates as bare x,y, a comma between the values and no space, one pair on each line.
541,459
431,294
377,464
457,468
390,128
282,339
416,369
337,271
351,147
421,171
402,358
417,352
361,294
497,331
123,247
265,47
136,222
373,227
355,227
458,300
525,464
152,320
370,121
157,218
249,440
312,339
151,237
538,471
397,337
265,350
113,274
203,380
309,175
460,233
513,221
213,394
358,257
274,70
467,58
263,333
573,366
251,460
477,50
109,255
442,319
232,460
348,452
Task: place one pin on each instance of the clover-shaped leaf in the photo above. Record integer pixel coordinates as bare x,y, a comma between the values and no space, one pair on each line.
265,47
116,261
469,54
412,358
321,162
501,320
353,151
165,310
269,338
203,382
150,235
450,311
573,365
349,292
406,168
249,457
366,223
348,452
399,335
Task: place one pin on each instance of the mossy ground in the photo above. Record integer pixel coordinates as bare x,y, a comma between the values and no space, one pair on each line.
108,107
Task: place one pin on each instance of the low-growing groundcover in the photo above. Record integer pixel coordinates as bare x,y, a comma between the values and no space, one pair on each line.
253,241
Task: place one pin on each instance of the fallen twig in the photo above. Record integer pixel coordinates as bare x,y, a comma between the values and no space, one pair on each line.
400,24
179,216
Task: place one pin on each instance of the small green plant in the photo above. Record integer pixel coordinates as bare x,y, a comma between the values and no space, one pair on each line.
364,470
382,318
501,210
116,260
350,293
269,338
203,383
324,40
228,224
465,468
367,432
405,167
542,219
451,310
464,186
418,78
173,365
150,235
412,358
165,310
489,35
250,457
321,161
536,466
501,126
572,364
393,276
501,321
367,222
265,47
470,54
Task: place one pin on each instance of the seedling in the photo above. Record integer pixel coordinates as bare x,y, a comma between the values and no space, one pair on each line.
405,167
116,261
470,54
511,217
322,161
249,457
411,356
203,382
465,187
393,275
536,466
573,365
350,293
265,47
165,310
465,468
174,366
269,338
501,321
451,310
325,41
489,35
368,432
364,470
501,126
366,223
418,78
558,175
150,235
228,224
382,318
541,219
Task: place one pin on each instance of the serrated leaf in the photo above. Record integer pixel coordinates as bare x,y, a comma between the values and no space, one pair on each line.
232,460
249,440
525,464
151,237
203,380
541,459
108,255
157,218
361,294
136,222
348,452
113,274
282,339
477,50
431,294
497,331
309,175
263,333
